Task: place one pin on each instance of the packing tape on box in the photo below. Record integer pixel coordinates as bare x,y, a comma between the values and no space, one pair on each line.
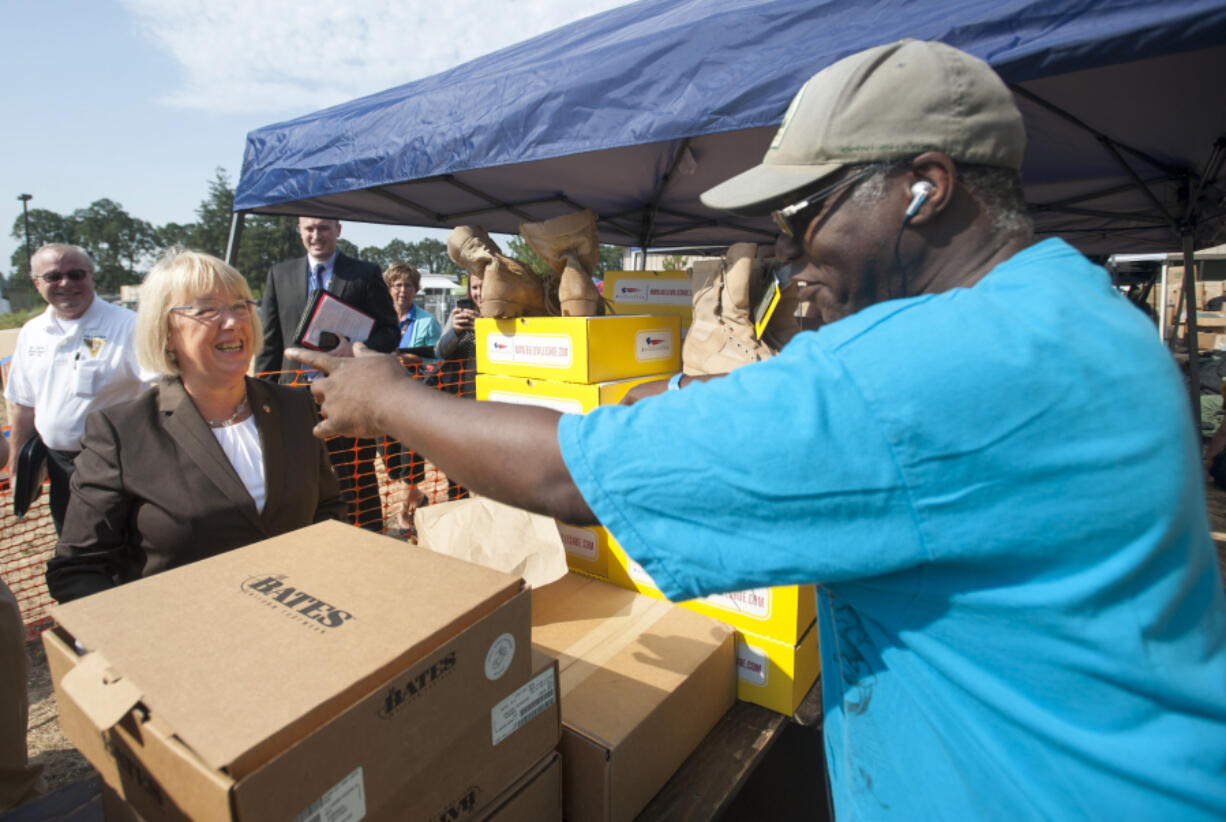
581,659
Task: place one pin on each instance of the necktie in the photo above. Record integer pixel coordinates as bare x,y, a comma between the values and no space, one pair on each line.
317,278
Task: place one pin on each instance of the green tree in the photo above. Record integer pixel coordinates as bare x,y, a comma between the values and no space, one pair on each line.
376,255
213,216
517,247
118,242
45,227
610,259
174,235
266,241
674,262
430,255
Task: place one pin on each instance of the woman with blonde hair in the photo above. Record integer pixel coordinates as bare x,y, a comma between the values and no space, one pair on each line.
207,460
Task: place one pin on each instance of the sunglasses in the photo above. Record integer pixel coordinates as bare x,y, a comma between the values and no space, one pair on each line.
76,275
783,216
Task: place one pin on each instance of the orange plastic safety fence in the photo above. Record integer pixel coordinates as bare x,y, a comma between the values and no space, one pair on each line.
25,547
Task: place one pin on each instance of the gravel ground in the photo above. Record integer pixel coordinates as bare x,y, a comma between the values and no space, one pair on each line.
45,742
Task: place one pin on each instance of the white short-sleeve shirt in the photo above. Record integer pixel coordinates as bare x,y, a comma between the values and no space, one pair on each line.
64,369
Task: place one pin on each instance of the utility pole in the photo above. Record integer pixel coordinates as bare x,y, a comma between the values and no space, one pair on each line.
25,213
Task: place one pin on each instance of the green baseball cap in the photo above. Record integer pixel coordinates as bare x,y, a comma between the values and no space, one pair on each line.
885,103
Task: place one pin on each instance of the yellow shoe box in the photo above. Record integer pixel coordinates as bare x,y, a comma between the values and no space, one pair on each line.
587,549
783,614
777,657
579,349
776,675
650,292
564,397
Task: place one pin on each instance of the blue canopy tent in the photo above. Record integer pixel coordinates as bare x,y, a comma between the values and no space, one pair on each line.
634,112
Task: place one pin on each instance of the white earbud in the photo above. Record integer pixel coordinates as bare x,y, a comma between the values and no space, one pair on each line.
919,193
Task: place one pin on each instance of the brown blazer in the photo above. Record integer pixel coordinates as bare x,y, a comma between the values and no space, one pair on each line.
153,488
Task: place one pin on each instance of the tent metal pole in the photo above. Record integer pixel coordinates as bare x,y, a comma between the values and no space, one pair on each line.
1055,109
1162,305
236,236
1189,301
649,213
1212,167
494,201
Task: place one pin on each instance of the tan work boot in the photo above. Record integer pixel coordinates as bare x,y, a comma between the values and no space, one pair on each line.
571,247
705,336
723,317
508,287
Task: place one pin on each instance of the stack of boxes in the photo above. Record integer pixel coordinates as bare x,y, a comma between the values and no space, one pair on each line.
572,365
1211,325
641,680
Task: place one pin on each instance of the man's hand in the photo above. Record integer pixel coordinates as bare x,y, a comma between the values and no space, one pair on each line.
353,390
407,359
644,390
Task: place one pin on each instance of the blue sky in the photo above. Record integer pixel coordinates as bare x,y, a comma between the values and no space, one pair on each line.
141,100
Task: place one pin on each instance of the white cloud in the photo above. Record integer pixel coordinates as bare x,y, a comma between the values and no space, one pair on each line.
300,55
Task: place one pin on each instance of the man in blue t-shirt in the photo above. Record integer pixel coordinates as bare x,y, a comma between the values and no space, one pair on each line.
984,458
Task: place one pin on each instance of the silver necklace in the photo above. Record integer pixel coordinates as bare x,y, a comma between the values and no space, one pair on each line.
233,418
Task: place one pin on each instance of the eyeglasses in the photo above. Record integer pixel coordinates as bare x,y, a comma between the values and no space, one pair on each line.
76,275
212,312
783,216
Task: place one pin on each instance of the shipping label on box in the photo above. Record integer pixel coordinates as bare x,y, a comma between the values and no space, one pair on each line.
563,397
782,613
776,675
352,678
642,682
579,349
650,292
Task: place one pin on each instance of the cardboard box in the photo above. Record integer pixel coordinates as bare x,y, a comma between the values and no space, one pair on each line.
642,683
579,349
535,797
776,675
254,684
469,778
587,548
783,613
564,397
650,292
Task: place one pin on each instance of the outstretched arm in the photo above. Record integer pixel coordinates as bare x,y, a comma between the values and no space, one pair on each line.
507,452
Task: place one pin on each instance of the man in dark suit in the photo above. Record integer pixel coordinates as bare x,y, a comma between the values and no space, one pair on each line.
358,283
